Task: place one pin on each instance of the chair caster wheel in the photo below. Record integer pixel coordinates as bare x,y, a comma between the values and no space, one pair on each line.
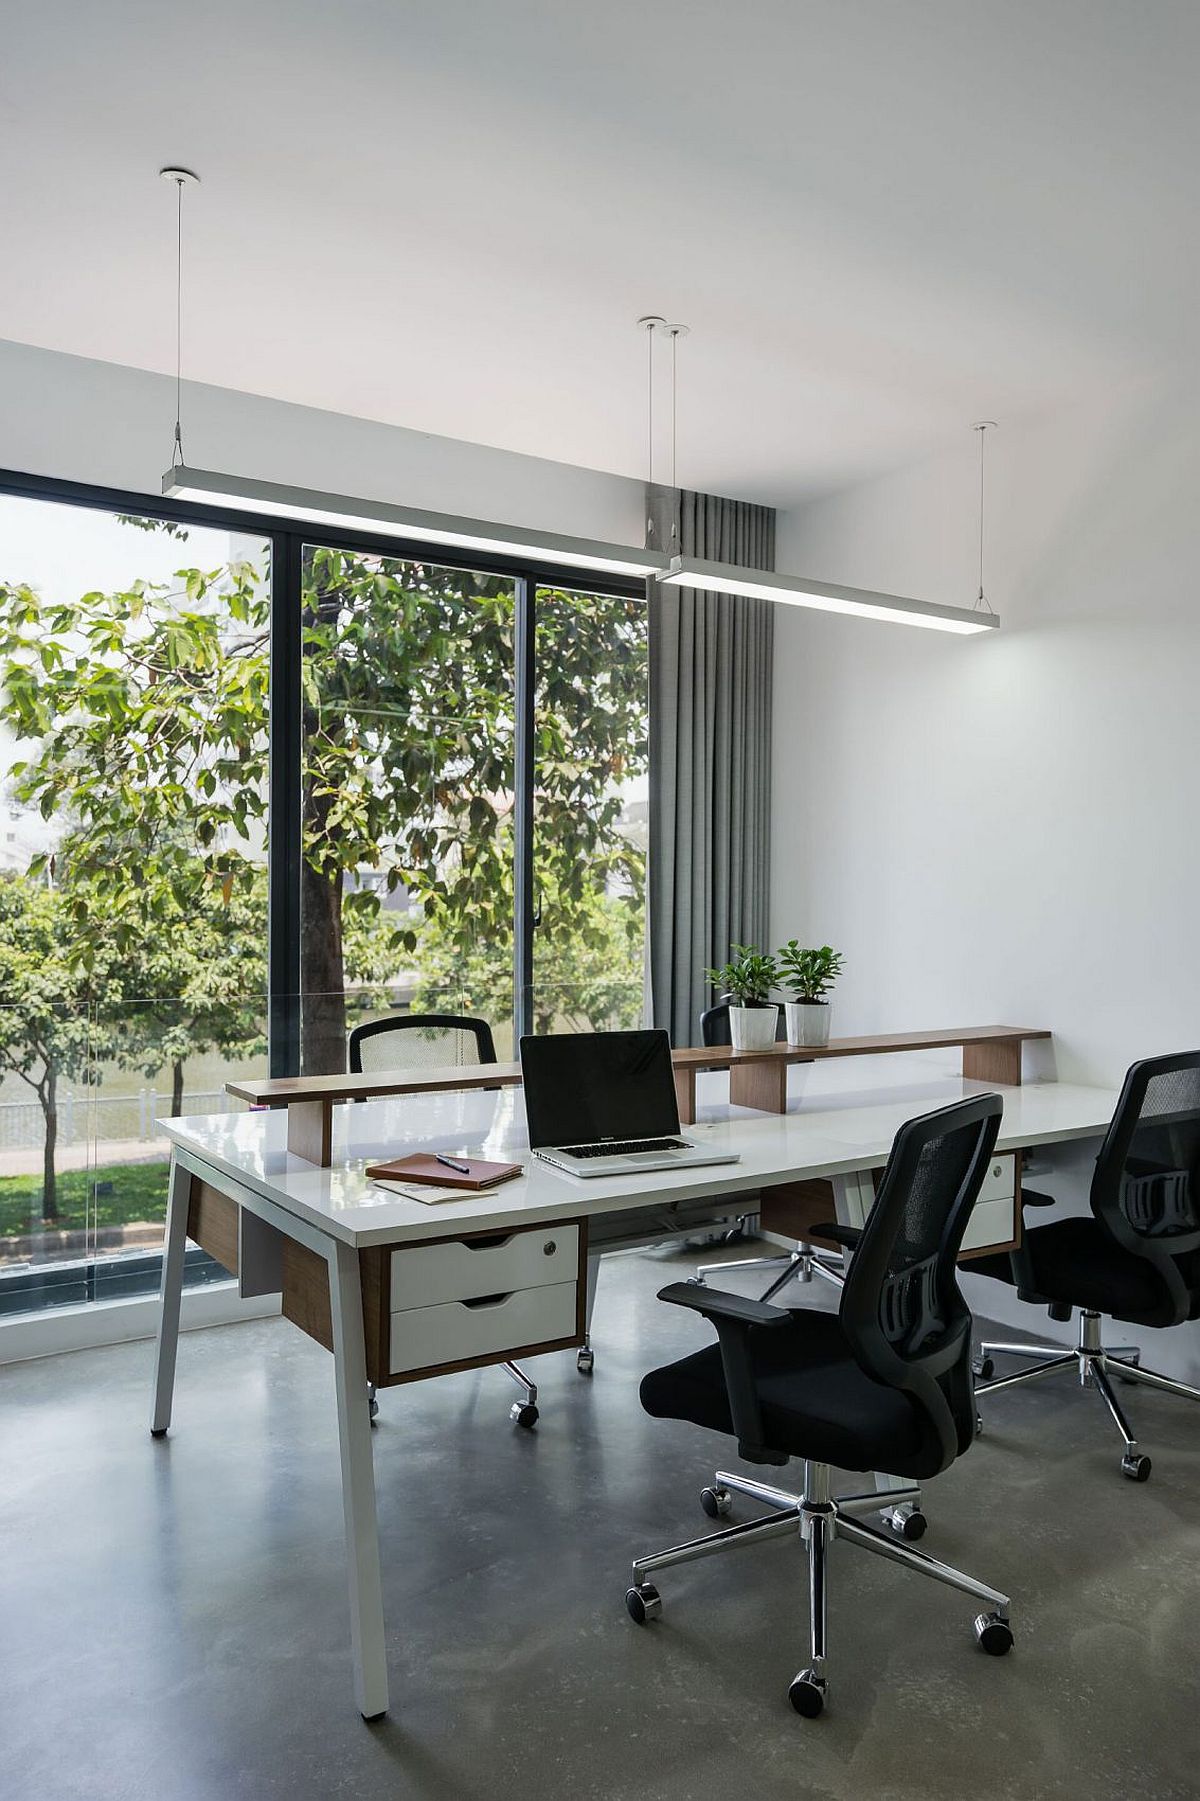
984,1368
1136,1466
993,1634
373,1409
642,1603
908,1526
716,1502
807,1694
585,1361
523,1413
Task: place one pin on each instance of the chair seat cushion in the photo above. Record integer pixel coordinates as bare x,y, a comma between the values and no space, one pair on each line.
1075,1262
816,1401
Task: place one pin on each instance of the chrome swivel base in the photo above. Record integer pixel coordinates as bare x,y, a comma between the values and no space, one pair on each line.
1094,1365
800,1265
818,1519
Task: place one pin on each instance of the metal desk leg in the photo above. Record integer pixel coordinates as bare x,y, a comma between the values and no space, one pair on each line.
358,1482
854,1196
179,1188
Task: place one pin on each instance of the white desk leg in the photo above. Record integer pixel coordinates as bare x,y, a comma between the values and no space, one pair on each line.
358,1483
854,1196
179,1188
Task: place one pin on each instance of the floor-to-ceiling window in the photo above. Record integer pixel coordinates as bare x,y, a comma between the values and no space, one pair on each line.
422,784
133,746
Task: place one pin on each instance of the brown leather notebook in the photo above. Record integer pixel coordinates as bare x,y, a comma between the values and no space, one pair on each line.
423,1167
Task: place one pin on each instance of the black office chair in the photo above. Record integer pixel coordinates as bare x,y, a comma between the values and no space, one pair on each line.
1137,1258
416,1040
884,1384
804,1262
431,1040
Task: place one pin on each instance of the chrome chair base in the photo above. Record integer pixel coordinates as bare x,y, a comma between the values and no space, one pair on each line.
1093,1364
800,1265
818,1519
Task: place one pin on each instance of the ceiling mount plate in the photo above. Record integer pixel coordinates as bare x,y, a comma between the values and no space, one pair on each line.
651,321
183,177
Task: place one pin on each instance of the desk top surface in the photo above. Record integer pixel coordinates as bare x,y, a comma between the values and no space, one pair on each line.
842,1117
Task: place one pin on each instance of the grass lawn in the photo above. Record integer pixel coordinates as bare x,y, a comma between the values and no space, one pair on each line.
124,1192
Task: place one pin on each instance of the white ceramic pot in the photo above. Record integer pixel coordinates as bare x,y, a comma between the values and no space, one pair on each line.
753,1028
807,1022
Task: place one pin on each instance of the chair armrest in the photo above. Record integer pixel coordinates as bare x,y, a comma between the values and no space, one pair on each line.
734,1315
848,1236
718,1303
1031,1198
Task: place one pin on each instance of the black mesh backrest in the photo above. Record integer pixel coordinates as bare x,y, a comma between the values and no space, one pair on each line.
420,1040
714,1026
902,1311
1146,1186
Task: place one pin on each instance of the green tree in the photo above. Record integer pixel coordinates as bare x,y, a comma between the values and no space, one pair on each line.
48,1029
146,711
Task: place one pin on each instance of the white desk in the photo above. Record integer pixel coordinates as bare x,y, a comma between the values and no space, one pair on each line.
342,1247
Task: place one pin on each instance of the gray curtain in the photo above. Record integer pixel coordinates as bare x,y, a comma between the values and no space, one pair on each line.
710,755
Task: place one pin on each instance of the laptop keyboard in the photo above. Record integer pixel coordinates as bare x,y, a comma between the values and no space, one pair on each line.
629,1148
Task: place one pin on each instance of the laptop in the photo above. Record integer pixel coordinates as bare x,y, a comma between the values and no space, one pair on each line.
603,1104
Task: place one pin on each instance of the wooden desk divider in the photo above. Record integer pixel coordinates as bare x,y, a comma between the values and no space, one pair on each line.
757,1079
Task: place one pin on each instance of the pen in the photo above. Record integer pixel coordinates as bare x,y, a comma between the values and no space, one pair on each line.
464,1169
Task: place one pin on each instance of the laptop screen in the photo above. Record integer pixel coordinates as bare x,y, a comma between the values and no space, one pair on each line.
584,1087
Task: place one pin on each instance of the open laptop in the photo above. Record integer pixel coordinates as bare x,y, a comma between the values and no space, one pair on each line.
603,1104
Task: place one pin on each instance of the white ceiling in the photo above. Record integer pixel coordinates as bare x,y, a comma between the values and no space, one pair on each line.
882,219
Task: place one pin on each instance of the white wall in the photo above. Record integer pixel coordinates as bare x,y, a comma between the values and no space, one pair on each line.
99,422
1004,829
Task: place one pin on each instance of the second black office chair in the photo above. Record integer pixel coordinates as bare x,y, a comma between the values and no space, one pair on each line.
884,1385
1137,1258
413,1040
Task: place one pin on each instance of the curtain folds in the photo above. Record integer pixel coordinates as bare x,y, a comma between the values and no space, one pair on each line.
710,755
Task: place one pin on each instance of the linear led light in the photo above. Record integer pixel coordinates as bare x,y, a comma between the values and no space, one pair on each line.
826,597
382,519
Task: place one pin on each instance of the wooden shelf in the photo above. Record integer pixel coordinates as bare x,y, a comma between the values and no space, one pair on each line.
756,1078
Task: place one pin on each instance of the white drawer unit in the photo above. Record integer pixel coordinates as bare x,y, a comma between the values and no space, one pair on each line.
495,1326
455,1269
1001,1178
994,1218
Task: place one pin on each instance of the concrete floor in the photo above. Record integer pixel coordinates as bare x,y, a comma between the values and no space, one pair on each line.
173,1620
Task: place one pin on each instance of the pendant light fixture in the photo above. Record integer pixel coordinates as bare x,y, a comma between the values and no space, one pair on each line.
822,597
381,519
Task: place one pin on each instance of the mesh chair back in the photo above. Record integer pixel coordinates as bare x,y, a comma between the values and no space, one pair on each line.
902,1310
1146,1186
714,1026
420,1041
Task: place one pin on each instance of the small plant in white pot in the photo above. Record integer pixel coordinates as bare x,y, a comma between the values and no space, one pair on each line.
810,974
747,980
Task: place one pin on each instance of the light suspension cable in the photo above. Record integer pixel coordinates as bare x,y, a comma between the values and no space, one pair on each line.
182,178
982,426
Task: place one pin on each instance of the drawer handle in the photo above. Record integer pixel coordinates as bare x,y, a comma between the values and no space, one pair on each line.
487,1244
489,1300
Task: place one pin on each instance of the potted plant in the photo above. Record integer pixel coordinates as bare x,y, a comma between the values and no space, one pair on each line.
809,974
746,981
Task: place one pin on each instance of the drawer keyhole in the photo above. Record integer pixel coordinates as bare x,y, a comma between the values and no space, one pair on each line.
549,1248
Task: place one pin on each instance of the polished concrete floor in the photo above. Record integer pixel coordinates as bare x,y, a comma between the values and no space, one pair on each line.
173,1621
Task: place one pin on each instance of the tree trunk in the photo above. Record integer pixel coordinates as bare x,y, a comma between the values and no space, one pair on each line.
48,1095
177,1088
322,974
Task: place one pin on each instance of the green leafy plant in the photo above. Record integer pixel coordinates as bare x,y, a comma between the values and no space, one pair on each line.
748,978
808,973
